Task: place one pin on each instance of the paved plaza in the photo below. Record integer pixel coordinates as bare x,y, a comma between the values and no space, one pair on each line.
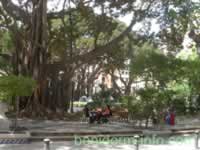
59,125
80,127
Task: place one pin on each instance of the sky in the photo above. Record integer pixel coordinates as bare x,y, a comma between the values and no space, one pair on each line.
154,26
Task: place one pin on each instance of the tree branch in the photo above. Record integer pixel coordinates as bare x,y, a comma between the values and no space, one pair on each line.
5,56
92,76
115,85
15,11
99,51
121,78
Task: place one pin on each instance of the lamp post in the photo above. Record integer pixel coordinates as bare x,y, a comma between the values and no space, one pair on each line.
46,144
197,139
137,137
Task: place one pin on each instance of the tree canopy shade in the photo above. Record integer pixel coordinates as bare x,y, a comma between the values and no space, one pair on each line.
179,17
165,80
36,29
47,41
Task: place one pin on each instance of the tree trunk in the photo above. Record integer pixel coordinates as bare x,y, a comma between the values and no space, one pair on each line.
147,122
72,97
31,58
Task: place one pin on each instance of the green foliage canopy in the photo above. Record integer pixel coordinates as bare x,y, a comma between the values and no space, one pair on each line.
15,86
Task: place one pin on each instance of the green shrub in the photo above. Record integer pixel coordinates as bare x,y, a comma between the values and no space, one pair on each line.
79,104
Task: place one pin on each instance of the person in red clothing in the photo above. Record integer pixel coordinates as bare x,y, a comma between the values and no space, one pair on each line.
172,118
104,114
107,112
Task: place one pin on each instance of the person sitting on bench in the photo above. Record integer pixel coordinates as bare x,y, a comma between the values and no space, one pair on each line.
104,115
107,112
89,114
86,111
92,116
